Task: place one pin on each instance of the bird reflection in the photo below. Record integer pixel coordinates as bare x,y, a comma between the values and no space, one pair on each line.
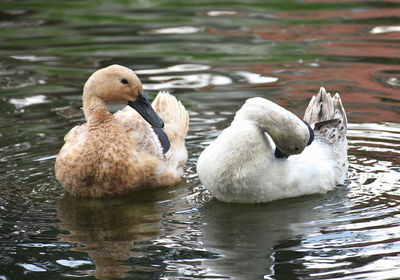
244,235
109,227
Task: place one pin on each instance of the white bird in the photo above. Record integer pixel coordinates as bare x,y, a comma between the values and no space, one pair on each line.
268,153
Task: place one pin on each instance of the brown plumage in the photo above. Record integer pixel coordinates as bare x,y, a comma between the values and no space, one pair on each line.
112,154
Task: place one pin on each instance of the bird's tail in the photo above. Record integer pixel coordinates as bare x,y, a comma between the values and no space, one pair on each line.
176,124
328,118
323,107
172,112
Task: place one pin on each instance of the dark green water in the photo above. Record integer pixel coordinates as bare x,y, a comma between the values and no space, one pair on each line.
212,56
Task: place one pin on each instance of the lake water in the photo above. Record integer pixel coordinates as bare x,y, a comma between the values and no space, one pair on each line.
212,56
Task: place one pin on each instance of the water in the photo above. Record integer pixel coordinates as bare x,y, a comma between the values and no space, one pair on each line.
212,56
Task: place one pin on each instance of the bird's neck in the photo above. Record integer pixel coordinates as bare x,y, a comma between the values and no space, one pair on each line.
93,105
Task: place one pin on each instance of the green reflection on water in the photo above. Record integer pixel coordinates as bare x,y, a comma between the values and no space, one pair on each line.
49,48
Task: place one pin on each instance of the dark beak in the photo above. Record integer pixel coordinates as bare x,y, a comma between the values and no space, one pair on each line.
143,107
279,154
311,131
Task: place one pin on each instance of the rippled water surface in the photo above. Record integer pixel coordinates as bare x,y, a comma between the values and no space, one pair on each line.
212,56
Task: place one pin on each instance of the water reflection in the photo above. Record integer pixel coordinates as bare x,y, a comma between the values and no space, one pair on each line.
107,229
177,30
23,102
189,81
213,57
245,235
199,79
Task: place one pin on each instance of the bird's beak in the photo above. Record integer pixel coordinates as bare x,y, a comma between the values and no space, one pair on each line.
311,131
279,154
143,107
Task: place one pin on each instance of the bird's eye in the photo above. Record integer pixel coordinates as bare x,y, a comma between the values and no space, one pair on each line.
296,149
124,81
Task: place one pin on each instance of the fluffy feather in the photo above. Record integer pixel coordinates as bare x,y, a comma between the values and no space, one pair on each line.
240,165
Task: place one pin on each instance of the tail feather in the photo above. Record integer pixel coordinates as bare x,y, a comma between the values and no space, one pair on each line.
172,112
176,125
323,107
327,115
339,110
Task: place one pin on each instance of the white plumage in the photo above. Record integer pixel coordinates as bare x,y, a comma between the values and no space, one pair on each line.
241,165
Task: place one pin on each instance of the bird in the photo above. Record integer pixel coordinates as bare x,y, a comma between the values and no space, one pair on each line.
140,146
268,153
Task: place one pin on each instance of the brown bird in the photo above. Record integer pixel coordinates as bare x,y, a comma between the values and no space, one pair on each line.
141,146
